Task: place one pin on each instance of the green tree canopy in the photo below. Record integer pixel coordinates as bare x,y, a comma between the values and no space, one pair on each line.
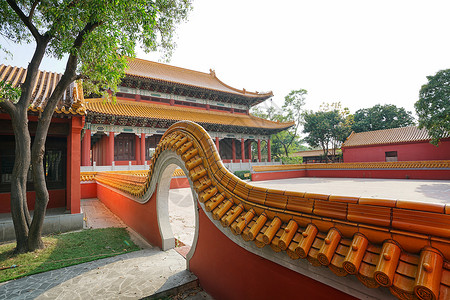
94,37
327,128
286,141
381,117
433,106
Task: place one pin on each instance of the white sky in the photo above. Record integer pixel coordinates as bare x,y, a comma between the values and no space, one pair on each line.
358,52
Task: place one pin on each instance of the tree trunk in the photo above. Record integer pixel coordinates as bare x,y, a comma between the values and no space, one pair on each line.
37,161
286,151
19,207
19,118
40,186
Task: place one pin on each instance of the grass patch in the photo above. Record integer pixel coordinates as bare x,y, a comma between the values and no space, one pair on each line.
65,250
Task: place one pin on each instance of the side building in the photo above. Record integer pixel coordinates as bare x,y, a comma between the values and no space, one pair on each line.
62,147
153,96
396,144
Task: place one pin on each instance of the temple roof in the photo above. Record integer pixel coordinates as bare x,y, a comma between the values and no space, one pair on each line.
387,136
175,113
71,103
171,74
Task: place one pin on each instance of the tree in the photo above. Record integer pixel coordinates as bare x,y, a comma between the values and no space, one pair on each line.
95,37
342,129
381,117
327,128
286,141
433,106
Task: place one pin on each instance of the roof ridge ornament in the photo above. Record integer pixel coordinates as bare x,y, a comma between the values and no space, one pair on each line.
212,72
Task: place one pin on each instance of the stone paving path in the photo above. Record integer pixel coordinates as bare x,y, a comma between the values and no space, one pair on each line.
97,215
133,275
129,276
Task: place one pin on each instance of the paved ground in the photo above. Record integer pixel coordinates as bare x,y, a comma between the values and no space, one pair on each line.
96,215
129,276
182,215
133,275
437,191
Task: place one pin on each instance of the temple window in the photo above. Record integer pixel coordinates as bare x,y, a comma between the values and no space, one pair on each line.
391,156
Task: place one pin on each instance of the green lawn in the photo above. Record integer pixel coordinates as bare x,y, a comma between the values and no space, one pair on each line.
64,250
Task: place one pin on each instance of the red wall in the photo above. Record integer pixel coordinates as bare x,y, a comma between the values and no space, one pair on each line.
88,190
227,271
141,217
406,152
436,174
57,198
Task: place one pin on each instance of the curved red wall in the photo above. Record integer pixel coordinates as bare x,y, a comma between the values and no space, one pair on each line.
141,217
227,271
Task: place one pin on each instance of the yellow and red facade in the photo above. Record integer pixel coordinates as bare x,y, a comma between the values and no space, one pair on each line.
63,145
153,96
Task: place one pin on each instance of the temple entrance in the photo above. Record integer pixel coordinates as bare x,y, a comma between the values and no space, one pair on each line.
176,209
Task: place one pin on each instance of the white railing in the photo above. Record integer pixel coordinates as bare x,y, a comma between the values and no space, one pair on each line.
232,167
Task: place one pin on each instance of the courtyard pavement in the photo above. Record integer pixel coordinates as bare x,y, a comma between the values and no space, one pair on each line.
134,275
435,191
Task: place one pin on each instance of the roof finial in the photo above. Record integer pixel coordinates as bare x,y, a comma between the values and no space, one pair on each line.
212,72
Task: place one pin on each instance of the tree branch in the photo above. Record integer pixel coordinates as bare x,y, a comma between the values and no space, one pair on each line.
7,105
26,21
69,74
33,7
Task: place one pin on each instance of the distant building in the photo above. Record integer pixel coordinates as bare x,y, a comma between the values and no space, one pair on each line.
317,156
396,144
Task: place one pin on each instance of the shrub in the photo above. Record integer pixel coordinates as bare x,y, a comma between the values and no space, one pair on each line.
291,160
243,174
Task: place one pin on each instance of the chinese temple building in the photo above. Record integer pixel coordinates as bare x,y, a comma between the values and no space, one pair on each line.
154,96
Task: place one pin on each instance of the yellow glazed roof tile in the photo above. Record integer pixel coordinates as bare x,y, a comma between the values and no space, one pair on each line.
163,72
165,112
72,101
399,245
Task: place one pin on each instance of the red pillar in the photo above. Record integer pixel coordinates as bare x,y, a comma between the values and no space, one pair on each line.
217,143
269,151
233,150
142,148
137,150
73,192
103,150
86,148
259,150
242,150
110,149
249,145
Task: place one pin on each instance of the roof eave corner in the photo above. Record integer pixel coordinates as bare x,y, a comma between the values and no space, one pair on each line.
347,139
